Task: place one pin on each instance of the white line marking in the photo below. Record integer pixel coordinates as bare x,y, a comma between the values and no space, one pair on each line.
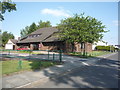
85,63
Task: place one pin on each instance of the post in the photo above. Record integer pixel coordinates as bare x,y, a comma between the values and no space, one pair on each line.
29,53
53,56
20,64
9,52
48,54
60,56
86,53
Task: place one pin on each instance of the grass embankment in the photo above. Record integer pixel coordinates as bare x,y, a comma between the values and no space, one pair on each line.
90,54
11,66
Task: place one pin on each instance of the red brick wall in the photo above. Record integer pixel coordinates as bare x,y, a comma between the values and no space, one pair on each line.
77,47
88,47
52,46
66,47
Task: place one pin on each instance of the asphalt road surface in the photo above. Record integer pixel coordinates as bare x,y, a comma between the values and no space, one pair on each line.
104,74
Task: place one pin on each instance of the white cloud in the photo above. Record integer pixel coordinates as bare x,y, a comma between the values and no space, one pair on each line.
56,12
116,22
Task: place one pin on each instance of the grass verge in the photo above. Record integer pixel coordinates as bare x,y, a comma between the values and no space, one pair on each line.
12,66
90,54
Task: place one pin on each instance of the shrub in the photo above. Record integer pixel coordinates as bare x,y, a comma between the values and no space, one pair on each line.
105,48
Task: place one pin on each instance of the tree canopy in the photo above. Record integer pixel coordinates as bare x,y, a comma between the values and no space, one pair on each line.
6,36
44,24
33,27
81,29
0,39
6,6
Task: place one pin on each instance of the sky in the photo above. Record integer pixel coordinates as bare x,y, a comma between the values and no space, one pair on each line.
29,12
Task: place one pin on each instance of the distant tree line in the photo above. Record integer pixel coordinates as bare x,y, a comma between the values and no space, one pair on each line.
33,27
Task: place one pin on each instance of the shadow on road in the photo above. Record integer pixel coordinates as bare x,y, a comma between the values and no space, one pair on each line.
104,73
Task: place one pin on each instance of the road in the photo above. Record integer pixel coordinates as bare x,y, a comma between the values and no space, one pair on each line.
104,74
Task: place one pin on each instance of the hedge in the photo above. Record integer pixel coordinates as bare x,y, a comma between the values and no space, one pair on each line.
105,48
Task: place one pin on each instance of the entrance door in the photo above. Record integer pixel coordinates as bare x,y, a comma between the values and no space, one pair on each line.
13,47
35,46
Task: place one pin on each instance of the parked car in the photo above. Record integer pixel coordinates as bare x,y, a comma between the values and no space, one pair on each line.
22,49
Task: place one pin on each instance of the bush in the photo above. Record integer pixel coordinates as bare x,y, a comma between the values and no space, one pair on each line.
105,48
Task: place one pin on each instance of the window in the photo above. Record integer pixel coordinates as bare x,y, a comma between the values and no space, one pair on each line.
35,35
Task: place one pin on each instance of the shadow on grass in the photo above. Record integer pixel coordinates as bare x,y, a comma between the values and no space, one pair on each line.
37,65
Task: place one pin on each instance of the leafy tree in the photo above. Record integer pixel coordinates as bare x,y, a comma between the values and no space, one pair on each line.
44,24
6,6
24,32
81,29
33,27
0,39
6,36
28,29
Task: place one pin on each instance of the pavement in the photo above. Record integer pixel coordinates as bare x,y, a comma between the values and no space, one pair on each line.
30,78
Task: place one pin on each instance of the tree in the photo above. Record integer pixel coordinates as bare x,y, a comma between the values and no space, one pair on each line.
33,27
28,30
6,6
24,32
81,29
0,39
44,24
6,36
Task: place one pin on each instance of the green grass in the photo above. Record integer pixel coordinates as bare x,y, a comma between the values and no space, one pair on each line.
25,52
11,66
90,54
2,48
98,53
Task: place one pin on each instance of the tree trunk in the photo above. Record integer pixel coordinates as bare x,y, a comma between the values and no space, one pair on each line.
72,47
84,51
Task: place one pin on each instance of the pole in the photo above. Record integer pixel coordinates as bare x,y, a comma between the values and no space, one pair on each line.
48,54
20,64
53,56
60,55
9,52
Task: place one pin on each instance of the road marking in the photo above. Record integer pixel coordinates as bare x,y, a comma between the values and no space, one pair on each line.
24,85
86,64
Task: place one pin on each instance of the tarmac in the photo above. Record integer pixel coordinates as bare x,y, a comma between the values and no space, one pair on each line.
28,79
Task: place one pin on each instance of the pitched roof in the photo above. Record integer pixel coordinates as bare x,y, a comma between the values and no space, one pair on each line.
45,34
14,41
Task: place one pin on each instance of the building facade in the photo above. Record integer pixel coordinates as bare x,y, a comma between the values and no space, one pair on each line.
47,39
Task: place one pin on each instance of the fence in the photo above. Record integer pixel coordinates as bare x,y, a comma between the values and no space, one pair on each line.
49,55
17,60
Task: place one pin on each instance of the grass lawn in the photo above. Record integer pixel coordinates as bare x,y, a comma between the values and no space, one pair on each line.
90,54
25,52
98,53
11,66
